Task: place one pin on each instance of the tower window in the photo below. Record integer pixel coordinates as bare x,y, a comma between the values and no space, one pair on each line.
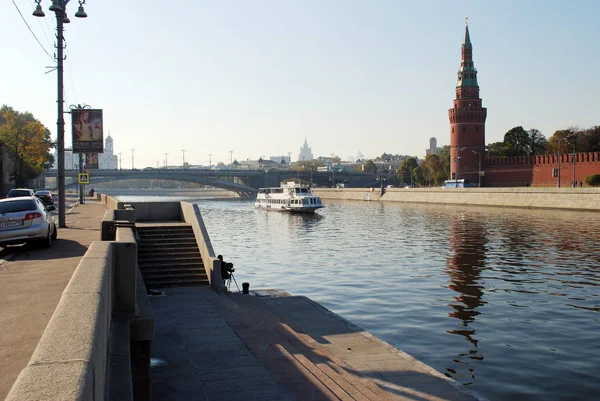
464,129
476,129
453,130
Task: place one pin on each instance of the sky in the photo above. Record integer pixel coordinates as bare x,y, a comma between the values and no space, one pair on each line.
257,77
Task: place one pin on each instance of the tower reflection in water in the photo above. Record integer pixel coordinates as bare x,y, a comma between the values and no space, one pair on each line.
464,267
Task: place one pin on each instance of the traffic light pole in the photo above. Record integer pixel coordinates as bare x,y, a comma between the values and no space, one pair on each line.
81,186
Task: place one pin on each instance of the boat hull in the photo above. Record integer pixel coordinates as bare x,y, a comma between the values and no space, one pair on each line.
285,209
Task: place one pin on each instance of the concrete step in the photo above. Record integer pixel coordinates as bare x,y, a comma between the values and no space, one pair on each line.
167,264
166,240
158,234
175,282
160,228
169,254
173,271
170,275
162,246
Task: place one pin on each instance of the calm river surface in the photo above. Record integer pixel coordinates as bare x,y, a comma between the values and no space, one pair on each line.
505,301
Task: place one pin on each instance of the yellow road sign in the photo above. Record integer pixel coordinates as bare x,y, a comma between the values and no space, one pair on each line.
84,178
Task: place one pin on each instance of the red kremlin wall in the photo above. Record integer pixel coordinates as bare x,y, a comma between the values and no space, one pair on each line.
538,170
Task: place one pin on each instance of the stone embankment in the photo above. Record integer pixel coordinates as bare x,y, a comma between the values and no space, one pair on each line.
208,343
583,199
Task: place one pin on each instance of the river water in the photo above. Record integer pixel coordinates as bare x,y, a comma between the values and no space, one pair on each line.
505,301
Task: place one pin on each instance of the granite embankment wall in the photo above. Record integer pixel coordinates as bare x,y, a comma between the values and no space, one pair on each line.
545,198
102,319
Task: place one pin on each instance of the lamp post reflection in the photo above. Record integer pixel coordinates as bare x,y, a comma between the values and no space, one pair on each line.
464,267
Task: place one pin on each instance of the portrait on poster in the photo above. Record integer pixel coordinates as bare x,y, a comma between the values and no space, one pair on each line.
87,130
91,161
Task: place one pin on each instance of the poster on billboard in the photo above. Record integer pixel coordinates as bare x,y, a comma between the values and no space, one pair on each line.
87,130
91,161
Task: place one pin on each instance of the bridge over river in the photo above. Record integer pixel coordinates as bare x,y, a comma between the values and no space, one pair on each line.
243,182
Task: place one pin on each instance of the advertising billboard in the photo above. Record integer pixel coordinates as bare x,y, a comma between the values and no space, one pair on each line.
91,161
87,130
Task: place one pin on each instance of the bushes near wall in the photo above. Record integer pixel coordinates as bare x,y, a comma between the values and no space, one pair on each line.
593,180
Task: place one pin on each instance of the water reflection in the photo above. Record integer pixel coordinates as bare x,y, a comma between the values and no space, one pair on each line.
468,240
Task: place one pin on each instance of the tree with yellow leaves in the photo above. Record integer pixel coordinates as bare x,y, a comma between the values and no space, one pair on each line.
27,143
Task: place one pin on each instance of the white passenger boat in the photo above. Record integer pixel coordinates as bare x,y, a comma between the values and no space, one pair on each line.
291,197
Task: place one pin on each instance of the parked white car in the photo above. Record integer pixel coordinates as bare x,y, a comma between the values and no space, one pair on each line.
26,219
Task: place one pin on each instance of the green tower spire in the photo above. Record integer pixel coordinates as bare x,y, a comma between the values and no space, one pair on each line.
467,74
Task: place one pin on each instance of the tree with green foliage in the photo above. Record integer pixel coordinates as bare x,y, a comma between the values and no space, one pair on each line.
28,143
588,140
432,171
495,149
593,180
519,142
307,165
370,166
444,157
538,143
406,168
516,142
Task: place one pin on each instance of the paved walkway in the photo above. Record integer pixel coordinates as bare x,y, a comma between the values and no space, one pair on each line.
238,347
33,280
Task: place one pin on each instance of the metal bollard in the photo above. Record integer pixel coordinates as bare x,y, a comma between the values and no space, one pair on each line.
245,288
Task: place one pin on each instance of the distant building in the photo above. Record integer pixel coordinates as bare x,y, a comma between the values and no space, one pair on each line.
106,160
433,148
280,159
305,152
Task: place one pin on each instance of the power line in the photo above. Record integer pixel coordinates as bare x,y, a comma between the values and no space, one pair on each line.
28,27
42,26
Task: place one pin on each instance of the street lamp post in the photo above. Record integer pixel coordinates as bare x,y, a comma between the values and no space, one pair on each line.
59,7
479,168
457,160
132,159
574,155
332,173
558,173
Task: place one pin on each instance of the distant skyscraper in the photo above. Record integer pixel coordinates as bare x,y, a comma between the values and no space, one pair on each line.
433,148
305,152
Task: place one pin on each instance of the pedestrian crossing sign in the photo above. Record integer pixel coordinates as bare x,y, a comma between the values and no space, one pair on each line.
84,178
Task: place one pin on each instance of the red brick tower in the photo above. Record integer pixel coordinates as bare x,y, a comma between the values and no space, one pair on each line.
467,120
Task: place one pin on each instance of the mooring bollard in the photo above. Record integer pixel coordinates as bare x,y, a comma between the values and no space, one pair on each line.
245,288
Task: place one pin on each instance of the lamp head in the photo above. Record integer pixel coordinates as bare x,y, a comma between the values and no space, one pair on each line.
38,11
66,20
81,12
55,6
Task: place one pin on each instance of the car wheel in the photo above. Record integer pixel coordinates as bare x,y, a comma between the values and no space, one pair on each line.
47,242
55,234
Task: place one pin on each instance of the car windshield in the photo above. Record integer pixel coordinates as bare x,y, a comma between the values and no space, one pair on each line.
13,193
17,206
42,193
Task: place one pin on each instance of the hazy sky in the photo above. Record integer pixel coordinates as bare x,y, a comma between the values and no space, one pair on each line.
257,77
